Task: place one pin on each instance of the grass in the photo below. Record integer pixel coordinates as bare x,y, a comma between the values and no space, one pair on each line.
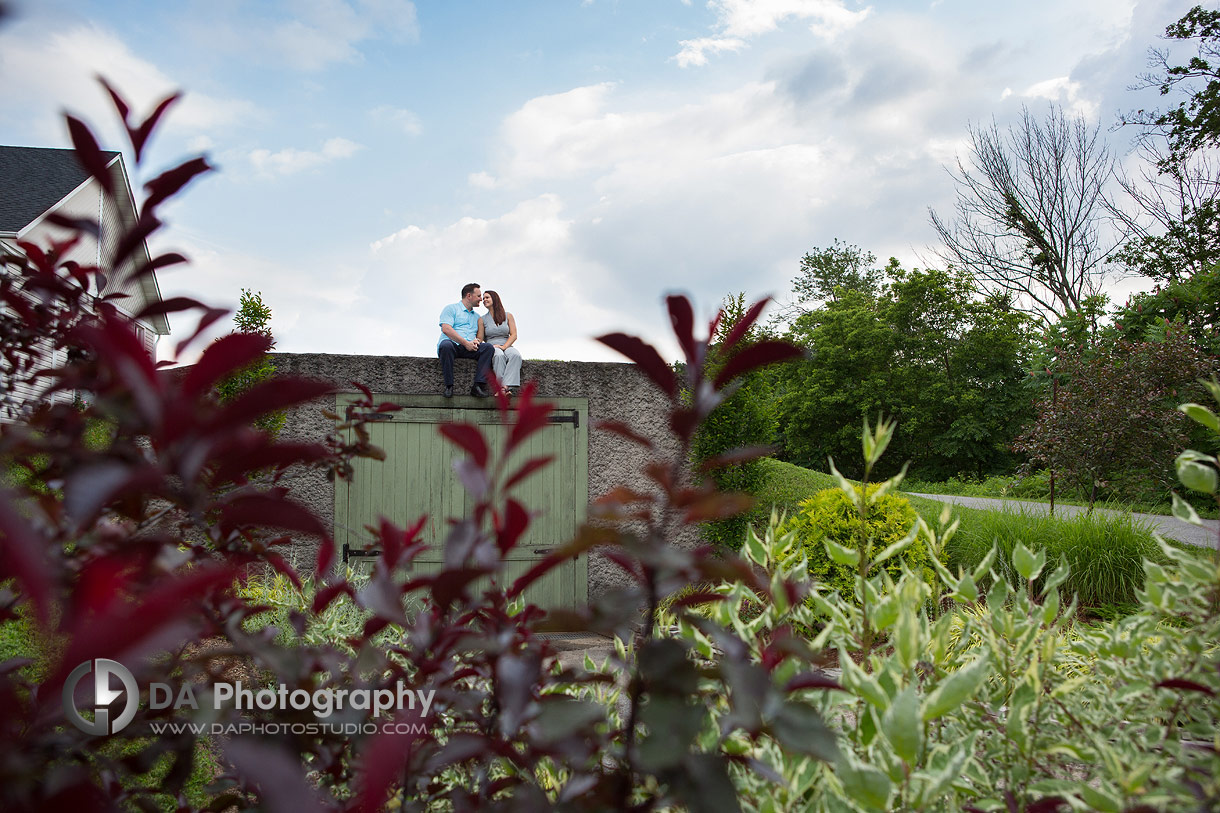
1104,552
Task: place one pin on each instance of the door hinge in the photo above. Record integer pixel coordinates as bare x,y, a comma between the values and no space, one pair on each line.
573,418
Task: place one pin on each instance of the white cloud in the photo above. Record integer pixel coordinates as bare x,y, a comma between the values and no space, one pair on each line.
527,254
738,21
481,180
749,18
1065,92
289,160
39,65
328,31
694,52
312,35
405,120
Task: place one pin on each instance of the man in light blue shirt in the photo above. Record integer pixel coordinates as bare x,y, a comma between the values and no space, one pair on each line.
459,332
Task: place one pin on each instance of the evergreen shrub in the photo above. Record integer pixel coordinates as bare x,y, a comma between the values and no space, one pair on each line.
830,515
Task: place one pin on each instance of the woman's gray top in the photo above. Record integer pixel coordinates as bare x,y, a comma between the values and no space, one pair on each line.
496,334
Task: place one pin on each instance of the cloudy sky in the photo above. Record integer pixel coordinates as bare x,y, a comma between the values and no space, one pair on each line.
582,158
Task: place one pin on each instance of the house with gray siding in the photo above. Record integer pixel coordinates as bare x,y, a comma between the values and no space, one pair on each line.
36,182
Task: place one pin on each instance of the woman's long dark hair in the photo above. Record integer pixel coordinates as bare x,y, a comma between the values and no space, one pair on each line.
497,308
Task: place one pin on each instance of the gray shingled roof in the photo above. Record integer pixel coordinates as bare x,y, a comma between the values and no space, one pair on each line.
32,180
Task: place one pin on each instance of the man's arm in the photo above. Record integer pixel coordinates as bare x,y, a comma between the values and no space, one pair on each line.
448,330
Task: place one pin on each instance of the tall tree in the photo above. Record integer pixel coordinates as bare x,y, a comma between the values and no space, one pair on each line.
1171,213
1194,122
826,273
946,367
1030,214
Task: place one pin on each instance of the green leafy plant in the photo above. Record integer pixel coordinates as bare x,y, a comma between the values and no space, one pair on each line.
1104,552
830,528
991,700
253,317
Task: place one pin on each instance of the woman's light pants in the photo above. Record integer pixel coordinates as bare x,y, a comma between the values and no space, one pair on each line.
507,366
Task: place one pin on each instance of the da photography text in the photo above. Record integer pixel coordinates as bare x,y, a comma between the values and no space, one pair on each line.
322,702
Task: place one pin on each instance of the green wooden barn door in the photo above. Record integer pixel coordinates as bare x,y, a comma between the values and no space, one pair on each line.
417,478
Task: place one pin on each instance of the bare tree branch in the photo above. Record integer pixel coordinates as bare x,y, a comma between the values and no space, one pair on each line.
1030,213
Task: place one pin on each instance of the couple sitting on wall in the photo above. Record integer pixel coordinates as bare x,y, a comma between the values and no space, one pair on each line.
488,339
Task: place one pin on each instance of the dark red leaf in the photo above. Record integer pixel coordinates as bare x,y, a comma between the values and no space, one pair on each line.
272,395
532,415
622,495
383,758
23,556
140,135
89,154
450,585
742,455
119,103
394,540
326,557
133,239
154,264
645,357
623,430
170,182
232,467
329,593
682,317
684,422
276,774
811,680
1185,685
225,356
754,356
265,511
88,225
1050,804
511,525
209,318
171,305
159,619
718,506
743,326
697,598
468,437
529,467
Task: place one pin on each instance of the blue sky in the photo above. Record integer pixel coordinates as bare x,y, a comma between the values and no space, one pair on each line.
582,158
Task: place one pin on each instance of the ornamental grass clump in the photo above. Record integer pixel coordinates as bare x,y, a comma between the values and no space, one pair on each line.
1104,553
829,517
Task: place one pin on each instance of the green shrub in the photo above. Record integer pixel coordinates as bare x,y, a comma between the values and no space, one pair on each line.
1104,552
830,515
253,316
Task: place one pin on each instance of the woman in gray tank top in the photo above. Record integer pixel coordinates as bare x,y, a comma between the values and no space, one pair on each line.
498,327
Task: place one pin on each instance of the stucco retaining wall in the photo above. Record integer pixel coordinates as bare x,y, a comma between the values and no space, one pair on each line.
616,392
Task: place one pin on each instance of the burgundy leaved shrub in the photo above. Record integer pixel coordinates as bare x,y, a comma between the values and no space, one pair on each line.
130,550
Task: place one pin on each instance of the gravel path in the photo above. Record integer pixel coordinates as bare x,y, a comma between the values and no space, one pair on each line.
1204,537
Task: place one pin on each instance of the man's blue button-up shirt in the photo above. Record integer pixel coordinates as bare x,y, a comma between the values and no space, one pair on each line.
465,322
